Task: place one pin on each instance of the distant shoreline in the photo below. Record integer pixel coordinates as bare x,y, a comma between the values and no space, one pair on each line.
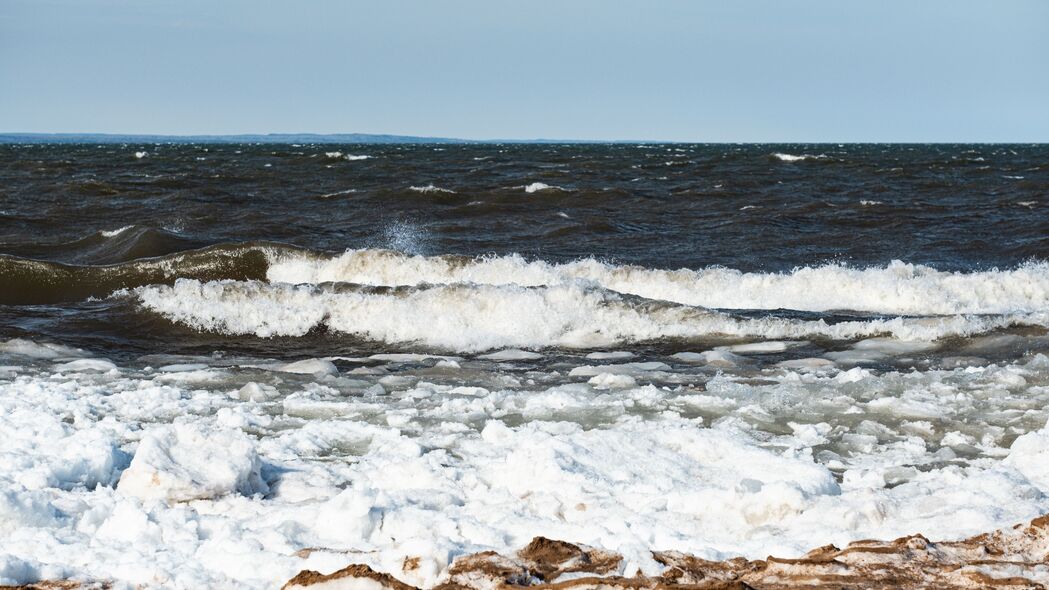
283,138
377,138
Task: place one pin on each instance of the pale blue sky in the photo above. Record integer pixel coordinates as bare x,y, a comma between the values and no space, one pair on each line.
743,70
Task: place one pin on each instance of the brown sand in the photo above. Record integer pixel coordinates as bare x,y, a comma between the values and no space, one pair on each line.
1008,558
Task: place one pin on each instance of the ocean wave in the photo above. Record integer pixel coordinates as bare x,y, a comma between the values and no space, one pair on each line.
115,232
896,288
472,317
341,193
124,244
797,158
36,282
541,186
342,156
430,188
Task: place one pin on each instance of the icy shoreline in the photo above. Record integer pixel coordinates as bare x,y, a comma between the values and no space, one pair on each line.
214,471
1010,558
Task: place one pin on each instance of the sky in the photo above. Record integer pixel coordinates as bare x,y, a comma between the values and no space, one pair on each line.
675,70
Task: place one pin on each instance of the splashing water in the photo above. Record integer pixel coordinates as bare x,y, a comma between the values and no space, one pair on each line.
404,236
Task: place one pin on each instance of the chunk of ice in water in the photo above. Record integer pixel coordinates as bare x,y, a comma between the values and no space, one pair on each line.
183,462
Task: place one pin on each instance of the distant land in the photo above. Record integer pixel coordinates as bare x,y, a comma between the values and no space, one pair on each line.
268,139
380,138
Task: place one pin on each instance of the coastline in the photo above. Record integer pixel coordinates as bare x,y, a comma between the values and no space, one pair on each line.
1014,558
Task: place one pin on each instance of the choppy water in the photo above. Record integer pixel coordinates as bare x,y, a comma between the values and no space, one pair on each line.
712,348
815,232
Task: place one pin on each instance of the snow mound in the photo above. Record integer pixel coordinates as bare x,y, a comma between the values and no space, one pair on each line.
1030,456
184,462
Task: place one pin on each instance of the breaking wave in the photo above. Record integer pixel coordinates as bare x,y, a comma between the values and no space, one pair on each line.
468,304
473,317
797,158
430,188
536,187
897,288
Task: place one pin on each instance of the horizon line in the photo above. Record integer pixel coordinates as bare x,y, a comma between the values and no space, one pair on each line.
391,138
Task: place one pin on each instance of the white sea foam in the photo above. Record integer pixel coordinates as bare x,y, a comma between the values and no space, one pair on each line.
797,158
430,188
541,186
348,191
115,232
341,156
897,288
470,317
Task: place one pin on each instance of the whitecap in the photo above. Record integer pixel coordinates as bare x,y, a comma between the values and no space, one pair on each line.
115,232
348,191
541,186
797,158
430,188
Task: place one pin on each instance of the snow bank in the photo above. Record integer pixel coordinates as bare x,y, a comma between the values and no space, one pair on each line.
184,462
417,464
1030,456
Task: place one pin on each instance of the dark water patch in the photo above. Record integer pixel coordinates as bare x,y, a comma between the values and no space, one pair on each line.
34,282
953,207
113,246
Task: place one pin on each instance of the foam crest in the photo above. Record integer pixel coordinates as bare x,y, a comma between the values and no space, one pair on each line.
897,288
796,158
541,186
115,232
471,317
341,156
430,188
